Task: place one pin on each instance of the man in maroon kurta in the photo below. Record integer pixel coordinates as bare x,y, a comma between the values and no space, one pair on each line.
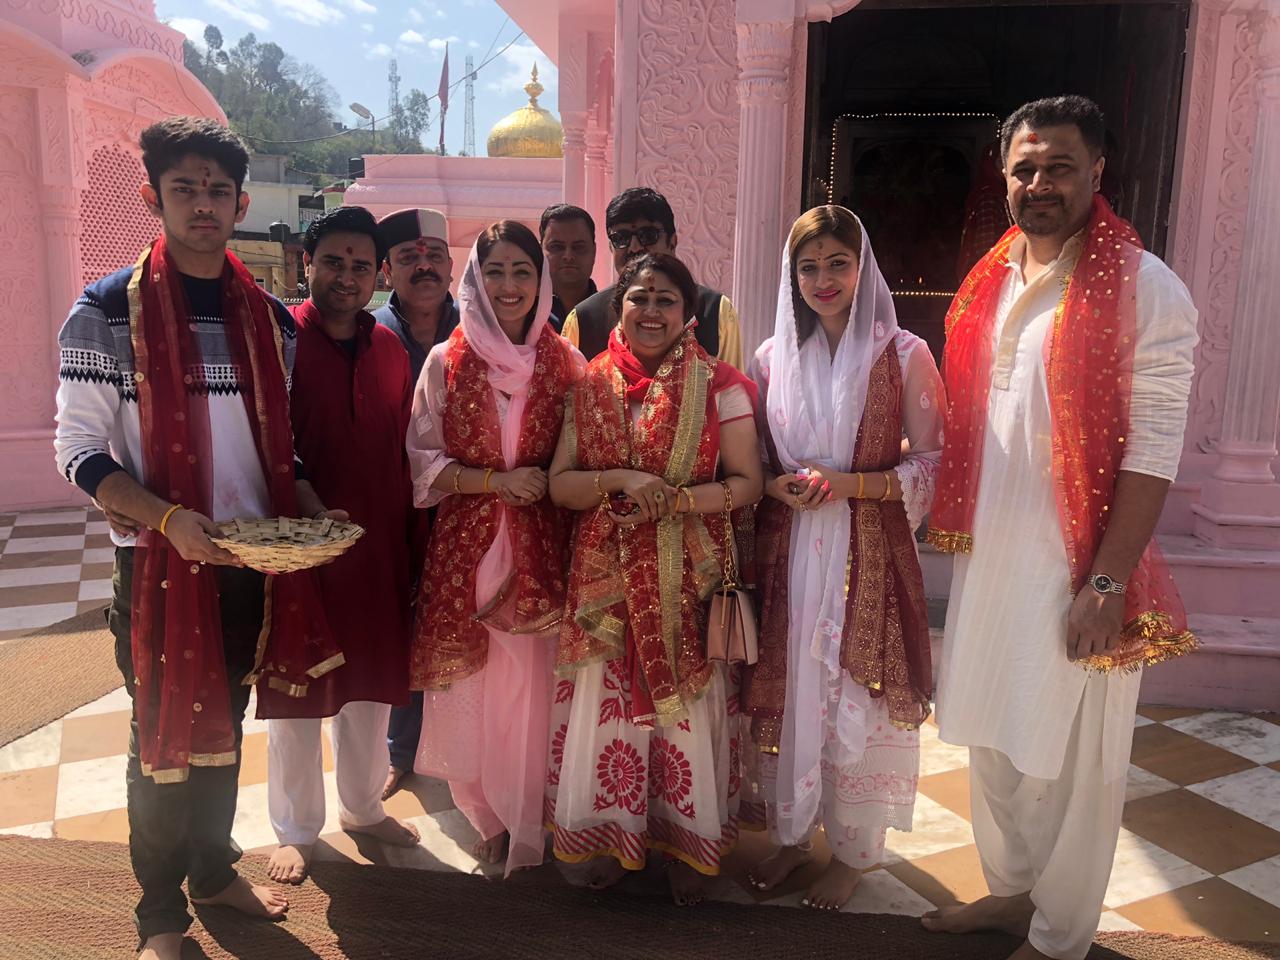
350,407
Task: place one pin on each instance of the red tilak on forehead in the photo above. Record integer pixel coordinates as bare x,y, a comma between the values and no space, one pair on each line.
421,243
350,251
1033,138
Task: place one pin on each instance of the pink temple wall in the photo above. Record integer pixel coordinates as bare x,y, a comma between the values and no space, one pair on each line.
69,207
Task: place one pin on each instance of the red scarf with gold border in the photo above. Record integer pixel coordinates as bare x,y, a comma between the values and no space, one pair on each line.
182,702
641,592
451,637
1089,366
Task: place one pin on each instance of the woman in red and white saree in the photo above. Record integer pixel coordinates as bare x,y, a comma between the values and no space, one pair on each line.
844,678
644,753
487,412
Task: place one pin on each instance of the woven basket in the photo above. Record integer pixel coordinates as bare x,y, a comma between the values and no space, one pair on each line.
286,544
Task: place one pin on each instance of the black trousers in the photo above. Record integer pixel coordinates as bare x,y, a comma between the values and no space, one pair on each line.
182,831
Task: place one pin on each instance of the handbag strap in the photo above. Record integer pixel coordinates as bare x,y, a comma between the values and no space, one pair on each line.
730,548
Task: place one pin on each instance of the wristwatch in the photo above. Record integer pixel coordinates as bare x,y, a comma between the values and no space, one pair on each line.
1104,584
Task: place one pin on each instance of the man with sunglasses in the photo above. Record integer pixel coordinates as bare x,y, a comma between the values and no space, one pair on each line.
639,220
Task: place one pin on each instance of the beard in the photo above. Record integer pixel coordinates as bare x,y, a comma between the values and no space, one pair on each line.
1042,220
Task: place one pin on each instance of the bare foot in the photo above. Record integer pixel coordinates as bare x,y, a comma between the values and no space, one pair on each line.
392,786
779,865
1010,915
834,887
388,830
688,886
250,899
604,873
289,863
163,946
491,850
1028,952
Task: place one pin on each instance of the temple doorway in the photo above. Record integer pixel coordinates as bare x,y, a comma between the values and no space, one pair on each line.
903,113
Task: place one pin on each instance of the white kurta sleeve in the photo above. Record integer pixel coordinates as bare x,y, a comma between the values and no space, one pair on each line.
1163,363
425,439
923,408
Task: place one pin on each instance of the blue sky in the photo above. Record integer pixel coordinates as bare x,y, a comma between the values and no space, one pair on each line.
352,42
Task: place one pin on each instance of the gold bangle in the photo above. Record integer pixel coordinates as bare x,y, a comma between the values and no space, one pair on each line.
167,514
600,486
688,496
487,474
888,486
457,479
862,482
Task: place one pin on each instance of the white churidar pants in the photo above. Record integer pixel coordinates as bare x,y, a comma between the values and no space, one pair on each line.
295,771
1054,838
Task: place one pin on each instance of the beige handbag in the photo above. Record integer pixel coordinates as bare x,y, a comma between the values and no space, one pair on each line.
731,625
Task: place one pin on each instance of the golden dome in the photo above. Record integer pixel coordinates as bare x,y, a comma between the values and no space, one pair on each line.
529,131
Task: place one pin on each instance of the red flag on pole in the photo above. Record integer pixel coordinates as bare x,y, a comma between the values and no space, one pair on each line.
443,95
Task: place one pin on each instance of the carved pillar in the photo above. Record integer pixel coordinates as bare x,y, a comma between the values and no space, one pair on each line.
62,171
575,155
1240,503
597,198
764,60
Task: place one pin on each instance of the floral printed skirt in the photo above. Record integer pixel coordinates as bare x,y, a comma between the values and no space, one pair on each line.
617,789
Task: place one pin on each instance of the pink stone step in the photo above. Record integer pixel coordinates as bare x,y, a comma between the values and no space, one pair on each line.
1237,667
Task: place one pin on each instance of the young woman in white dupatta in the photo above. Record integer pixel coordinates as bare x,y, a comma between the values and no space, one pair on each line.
844,679
486,416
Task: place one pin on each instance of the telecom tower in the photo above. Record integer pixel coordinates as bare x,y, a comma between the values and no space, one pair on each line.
469,132
393,81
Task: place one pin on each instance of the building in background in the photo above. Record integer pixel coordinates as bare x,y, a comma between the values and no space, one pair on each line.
522,176
77,86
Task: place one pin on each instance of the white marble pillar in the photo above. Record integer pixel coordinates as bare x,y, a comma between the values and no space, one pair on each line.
1240,504
764,61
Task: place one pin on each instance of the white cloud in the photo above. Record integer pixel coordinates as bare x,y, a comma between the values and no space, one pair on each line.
518,59
412,37
473,45
375,50
310,11
243,10
367,27
361,6
192,28
415,16
438,44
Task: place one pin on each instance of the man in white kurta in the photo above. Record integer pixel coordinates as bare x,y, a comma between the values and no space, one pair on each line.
1049,741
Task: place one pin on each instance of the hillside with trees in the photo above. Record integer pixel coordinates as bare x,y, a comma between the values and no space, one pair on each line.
271,98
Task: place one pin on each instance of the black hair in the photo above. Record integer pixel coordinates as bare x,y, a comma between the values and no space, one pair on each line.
562,212
670,266
1073,110
344,220
636,202
512,231
165,143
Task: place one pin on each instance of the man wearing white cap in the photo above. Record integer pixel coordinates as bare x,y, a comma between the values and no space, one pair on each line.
421,312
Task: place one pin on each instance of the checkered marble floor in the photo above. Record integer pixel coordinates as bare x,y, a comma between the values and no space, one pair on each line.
1199,853
53,565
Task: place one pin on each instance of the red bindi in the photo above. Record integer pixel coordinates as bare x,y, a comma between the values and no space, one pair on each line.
1033,138
652,289
422,243
350,251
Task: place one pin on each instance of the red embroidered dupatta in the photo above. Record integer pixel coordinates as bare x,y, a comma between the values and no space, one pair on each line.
885,645
182,702
1089,363
451,638
640,592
